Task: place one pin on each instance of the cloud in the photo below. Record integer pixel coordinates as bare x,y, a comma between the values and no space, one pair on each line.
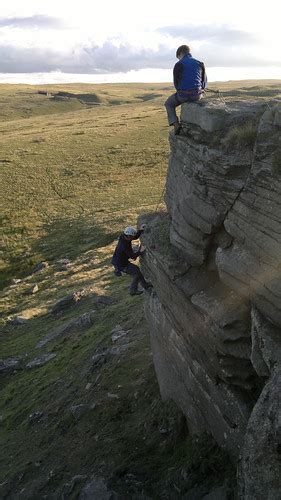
220,45
211,33
35,60
114,57
37,21
92,59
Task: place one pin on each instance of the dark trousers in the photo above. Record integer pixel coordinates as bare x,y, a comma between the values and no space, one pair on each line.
137,276
173,102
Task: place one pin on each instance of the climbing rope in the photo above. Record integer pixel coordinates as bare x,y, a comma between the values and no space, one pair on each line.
219,93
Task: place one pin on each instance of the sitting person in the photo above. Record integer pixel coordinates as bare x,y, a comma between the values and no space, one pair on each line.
190,80
120,260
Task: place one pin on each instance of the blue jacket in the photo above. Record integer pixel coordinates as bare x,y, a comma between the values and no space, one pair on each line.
123,252
189,76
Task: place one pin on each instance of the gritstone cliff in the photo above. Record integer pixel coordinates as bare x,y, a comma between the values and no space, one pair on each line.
215,262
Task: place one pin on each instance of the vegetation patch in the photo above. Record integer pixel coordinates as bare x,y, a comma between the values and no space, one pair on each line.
243,136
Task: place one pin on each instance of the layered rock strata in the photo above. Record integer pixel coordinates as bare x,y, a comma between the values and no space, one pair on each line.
215,260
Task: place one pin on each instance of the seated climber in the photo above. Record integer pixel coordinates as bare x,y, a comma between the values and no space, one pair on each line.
190,80
123,252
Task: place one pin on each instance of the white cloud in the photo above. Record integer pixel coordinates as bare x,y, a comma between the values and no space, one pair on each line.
114,56
36,21
121,37
213,33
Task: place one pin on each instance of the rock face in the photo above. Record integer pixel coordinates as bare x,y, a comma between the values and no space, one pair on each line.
259,470
215,260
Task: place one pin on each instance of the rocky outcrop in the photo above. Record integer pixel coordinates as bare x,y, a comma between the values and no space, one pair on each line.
214,259
259,470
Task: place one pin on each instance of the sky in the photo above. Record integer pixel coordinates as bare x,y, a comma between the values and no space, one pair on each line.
122,41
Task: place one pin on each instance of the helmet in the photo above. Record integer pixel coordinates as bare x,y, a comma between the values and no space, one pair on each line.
130,231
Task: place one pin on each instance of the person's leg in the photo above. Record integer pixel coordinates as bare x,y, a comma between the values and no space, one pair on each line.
171,103
137,276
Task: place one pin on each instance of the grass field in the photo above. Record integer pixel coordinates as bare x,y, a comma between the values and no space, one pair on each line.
78,176
74,171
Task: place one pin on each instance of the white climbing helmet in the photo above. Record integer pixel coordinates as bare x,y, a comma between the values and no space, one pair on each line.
130,231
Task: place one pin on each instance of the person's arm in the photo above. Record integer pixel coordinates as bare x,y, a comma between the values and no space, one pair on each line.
177,74
140,231
127,249
204,80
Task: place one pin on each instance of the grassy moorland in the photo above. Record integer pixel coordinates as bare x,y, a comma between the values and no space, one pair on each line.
74,170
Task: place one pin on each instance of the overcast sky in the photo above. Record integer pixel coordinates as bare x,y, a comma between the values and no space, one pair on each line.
125,40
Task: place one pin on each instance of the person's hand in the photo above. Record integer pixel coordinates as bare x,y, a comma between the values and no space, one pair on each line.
142,250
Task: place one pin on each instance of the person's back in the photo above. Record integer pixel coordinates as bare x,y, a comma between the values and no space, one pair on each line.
190,80
123,252
188,75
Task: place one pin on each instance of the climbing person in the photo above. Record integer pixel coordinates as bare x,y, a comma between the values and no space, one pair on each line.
190,80
123,252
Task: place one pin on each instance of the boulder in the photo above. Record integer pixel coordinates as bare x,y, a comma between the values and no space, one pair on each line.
83,322
217,116
10,364
118,333
41,360
96,489
79,410
102,301
34,289
35,416
40,266
68,302
100,358
63,264
68,487
17,321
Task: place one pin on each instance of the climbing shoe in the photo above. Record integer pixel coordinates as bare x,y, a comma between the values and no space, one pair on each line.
137,292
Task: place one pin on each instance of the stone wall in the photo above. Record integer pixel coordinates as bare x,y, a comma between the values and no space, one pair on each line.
215,262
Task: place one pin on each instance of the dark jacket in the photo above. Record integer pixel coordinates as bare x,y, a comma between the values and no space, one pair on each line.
123,252
189,76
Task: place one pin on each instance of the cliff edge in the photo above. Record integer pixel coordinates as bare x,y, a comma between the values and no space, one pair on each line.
215,260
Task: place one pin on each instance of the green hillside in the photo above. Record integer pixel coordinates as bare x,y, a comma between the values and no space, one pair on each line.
74,171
